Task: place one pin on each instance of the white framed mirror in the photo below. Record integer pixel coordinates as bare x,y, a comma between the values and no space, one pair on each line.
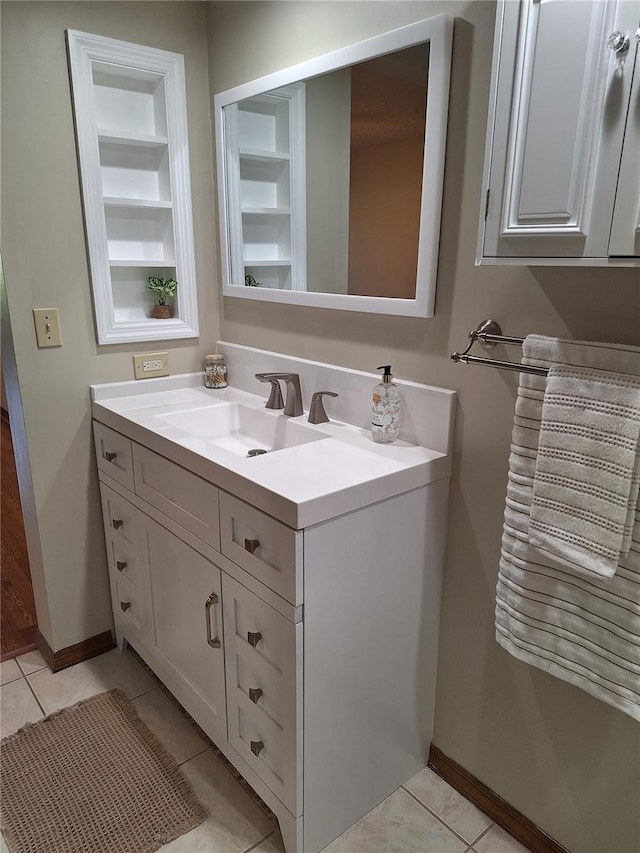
330,176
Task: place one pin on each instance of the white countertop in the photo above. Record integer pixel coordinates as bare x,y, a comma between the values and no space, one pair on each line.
301,485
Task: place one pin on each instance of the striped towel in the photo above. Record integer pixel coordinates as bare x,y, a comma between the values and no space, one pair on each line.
582,628
585,488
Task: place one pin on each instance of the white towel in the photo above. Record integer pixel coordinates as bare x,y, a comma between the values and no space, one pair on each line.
582,629
585,488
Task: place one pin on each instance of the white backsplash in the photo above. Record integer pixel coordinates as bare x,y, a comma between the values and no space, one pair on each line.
427,412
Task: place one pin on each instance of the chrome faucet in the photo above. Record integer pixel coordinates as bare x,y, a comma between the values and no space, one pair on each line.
293,404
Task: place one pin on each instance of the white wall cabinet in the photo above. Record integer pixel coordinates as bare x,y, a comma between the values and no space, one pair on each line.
308,656
265,151
562,163
131,128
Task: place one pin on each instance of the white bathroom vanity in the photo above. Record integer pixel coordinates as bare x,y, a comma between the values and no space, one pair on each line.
289,600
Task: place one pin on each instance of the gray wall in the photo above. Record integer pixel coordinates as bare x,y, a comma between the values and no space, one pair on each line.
567,761
45,266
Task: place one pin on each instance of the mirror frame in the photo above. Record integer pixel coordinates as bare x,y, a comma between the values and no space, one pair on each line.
438,31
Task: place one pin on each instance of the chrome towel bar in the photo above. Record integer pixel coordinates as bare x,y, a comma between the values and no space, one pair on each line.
489,334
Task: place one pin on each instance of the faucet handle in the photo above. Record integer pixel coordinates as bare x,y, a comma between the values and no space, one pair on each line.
317,414
275,400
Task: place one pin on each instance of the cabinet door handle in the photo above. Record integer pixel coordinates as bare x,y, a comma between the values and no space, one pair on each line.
125,605
257,746
251,545
253,638
214,642
117,523
120,565
254,694
110,457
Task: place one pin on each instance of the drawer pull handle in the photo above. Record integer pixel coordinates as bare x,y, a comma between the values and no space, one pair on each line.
117,523
254,694
251,545
110,457
214,642
125,605
257,746
121,565
254,637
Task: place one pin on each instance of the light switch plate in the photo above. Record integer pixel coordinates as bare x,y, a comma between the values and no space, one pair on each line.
47,323
150,364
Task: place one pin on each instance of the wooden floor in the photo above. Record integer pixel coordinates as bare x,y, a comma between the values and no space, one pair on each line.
18,612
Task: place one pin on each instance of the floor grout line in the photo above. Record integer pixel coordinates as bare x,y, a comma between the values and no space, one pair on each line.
187,760
258,843
29,685
438,818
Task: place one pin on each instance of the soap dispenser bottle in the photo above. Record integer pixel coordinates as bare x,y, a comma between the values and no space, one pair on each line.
385,411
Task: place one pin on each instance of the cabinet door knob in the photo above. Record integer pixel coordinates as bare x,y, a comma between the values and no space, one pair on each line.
110,457
254,694
251,545
257,746
618,42
125,605
117,523
253,638
121,565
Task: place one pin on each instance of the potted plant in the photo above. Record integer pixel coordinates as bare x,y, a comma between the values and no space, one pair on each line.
163,288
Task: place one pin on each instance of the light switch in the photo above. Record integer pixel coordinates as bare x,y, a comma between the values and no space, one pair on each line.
47,322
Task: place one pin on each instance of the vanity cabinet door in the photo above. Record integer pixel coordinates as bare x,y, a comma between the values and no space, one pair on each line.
187,614
264,691
558,111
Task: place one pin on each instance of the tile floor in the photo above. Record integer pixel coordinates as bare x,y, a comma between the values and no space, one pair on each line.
424,816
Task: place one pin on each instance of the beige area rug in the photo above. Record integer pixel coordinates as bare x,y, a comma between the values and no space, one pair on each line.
93,779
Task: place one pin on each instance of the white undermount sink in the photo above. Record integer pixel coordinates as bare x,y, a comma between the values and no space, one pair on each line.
240,429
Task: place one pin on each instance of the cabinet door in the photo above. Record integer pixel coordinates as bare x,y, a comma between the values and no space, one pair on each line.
558,116
625,233
187,614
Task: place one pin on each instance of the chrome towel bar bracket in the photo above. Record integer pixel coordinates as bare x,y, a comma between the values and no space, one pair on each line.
489,334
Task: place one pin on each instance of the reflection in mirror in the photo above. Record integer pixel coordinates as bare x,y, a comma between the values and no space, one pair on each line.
331,180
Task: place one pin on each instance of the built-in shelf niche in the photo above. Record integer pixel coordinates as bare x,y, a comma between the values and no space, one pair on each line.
131,126
265,147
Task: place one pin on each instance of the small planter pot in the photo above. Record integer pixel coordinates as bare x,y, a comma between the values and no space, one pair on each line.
162,312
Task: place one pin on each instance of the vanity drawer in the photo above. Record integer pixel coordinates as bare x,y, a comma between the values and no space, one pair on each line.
120,520
124,560
183,496
264,547
113,453
131,606
264,690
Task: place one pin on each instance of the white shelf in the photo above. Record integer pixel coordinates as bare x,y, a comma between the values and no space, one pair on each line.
262,156
271,211
141,203
142,139
130,109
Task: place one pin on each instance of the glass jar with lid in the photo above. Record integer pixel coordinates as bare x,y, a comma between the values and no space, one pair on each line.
215,372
